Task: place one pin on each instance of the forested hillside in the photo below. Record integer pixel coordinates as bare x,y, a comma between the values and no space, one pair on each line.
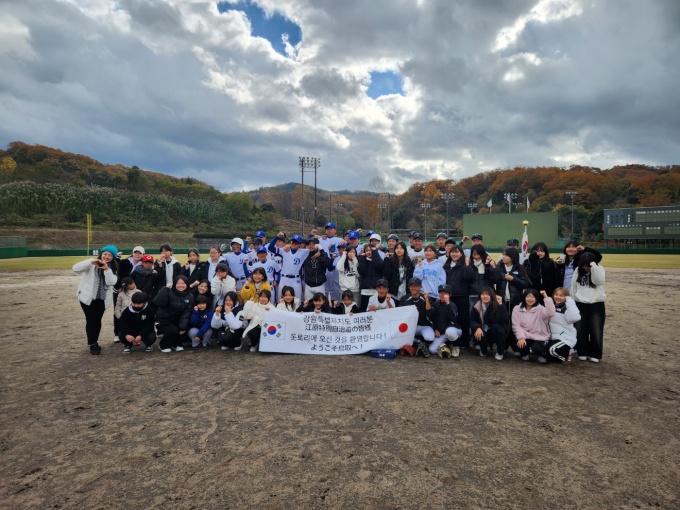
45,187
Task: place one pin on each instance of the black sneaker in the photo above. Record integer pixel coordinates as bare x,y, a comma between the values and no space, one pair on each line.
148,348
95,349
127,349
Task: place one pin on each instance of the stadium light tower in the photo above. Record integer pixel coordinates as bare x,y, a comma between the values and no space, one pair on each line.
425,206
446,197
311,164
572,194
510,197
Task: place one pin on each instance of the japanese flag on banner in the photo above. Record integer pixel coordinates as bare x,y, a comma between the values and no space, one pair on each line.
323,333
525,245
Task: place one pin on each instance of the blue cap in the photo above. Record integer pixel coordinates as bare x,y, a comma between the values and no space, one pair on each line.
370,232
260,233
297,238
353,235
262,249
111,249
343,245
330,224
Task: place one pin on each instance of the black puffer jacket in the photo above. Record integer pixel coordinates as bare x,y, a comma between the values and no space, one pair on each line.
520,281
391,273
174,307
459,276
370,270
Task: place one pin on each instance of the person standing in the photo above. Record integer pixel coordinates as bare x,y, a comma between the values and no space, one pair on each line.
95,291
587,289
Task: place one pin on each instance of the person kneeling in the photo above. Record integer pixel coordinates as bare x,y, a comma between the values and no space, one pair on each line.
254,311
136,323
446,319
425,309
381,300
200,331
490,323
530,324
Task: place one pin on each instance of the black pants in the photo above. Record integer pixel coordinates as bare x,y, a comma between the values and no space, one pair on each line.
148,340
229,338
171,337
590,329
116,320
254,336
538,347
462,303
93,319
558,351
496,335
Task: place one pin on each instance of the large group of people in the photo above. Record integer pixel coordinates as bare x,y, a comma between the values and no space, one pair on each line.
543,309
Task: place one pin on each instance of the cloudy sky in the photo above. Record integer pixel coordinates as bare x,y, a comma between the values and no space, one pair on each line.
234,92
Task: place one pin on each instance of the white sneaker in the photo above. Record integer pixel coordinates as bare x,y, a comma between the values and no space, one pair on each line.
455,351
224,348
583,358
499,357
525,358
516,354
116,340
478,347
594,360
238,348
165,350
179,349
541,359
253,348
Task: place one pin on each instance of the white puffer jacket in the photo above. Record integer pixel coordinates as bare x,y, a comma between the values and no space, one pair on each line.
86,286
562,324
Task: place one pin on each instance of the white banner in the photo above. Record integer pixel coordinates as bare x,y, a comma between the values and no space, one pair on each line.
324,333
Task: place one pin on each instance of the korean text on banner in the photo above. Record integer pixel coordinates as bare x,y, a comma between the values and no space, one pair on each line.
323,333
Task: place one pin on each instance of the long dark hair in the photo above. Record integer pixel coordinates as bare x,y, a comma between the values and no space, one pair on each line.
544,248
479,249
575,244
513,253
583,277
288,288
350,248
493,304
405,261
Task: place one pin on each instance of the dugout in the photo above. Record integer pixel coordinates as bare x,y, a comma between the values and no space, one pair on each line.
642,227
498,228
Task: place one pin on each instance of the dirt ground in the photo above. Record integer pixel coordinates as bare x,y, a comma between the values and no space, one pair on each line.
245,430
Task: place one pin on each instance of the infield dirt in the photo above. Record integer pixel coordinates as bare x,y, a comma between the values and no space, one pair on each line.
233,430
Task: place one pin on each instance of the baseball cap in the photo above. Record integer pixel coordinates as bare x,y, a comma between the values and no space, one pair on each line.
147,258
343,245
441,234
370,233
477,236
415,281
393,236
417,235
375,236
140,249
313,239
260,233
256,241
513,242
353,234
237,240
261,249
445,288
330,224
450,240
296,238
381,283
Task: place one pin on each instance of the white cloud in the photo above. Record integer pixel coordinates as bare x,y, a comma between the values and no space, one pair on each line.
176,86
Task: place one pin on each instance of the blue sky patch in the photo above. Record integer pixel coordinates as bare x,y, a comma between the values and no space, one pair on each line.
271,29
384,83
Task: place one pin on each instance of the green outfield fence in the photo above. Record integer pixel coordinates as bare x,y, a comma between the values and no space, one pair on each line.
12,247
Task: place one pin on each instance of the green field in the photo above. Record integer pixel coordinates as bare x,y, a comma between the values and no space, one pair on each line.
609,260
